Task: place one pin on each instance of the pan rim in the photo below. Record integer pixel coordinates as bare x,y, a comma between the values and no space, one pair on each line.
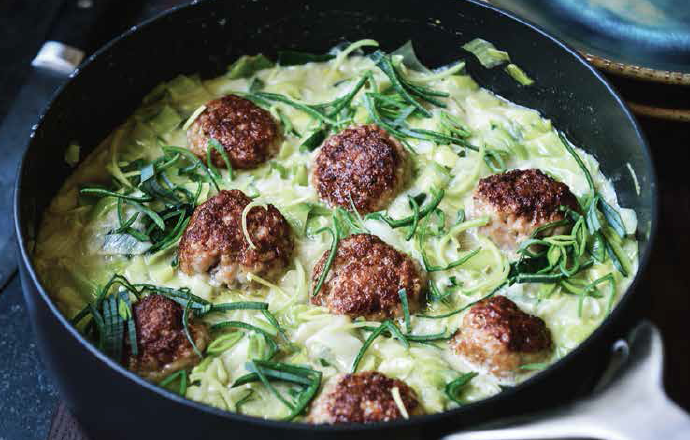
597,334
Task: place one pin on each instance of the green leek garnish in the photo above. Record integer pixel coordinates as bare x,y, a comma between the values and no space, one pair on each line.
215,145
334,230
385,325
308,379
272,345
454,387
178,375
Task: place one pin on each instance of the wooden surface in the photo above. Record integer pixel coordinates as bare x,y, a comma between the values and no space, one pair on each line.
64,426
667,282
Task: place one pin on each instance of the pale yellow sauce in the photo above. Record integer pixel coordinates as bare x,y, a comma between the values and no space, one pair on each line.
72,259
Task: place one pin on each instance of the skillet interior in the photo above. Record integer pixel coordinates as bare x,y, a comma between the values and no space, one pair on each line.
204,38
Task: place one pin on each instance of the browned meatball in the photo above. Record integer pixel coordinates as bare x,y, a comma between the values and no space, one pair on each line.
519,201
163,347
498,336
365,278
248,133
214,240
363,163
362,398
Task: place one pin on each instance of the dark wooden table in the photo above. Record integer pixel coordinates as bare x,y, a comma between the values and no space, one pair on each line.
28,398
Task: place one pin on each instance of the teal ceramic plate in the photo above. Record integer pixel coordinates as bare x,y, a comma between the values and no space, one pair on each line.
642,35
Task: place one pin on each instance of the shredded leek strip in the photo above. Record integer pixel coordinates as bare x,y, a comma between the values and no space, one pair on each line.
187,333
114,168
393,223
456,189
274,322
251,366
306,108
302,290
519,75
192,118
224,343
435,294
407,90
239,305
263,370
243,400
453,125
182,376
440,336
175,235
196,162
340,103
286,374
100,324
107,193
415,214
402,293
535,366
603,238
97,303
225,395
385,325
334,230
272,345
245,212
459,228
579,161
463,308
617,254
157,220
433,268
213,144
349,49
634,178
395,391
592,287
263,282
486,53
440,74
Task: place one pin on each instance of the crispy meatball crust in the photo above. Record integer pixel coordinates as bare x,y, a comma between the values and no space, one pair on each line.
163,347
248,133
362,398
365,278
214,241
362,162
498,336
519,201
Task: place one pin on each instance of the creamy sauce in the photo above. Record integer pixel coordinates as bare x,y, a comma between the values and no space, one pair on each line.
74,254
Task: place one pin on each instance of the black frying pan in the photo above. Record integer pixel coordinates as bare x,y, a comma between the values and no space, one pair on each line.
205,37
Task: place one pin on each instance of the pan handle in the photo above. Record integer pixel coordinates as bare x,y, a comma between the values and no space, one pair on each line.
71,35
629,403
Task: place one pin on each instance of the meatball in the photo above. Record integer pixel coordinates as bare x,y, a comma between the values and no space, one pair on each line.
248,133
499,337
363,165
362,398
365,278
214,241
162,344
519,201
